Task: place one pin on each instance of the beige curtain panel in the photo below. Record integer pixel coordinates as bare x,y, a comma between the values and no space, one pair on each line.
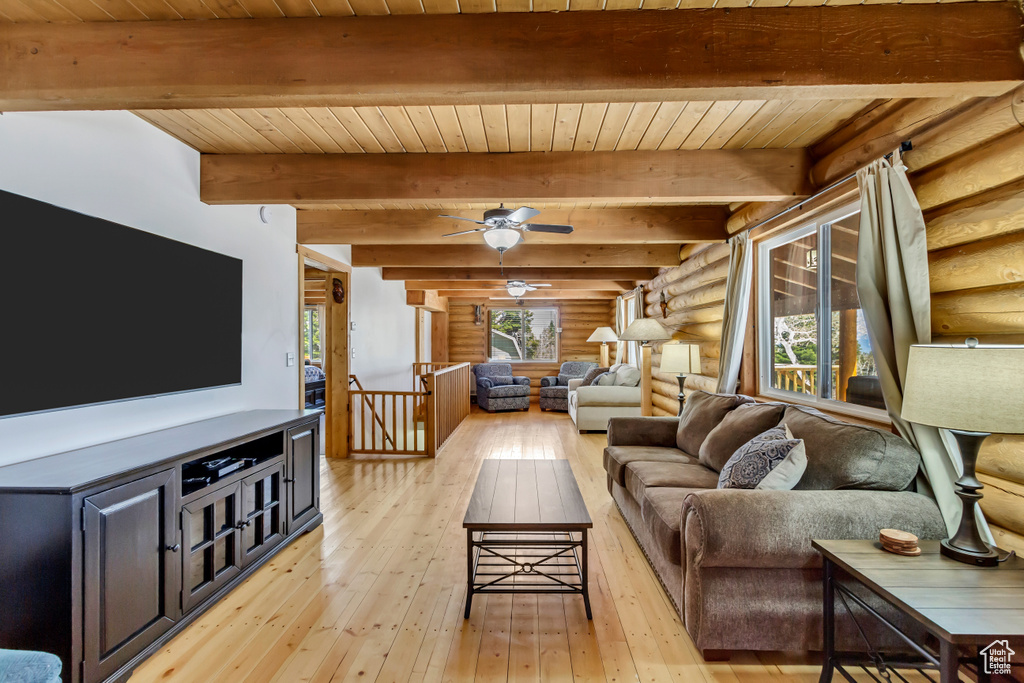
737,304
620,327
892,282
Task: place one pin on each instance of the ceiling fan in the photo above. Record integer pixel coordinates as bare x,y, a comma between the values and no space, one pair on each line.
517,288
504,228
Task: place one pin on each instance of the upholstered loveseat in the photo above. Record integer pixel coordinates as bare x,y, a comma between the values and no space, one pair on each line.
554,390
498,389
591,404
738,564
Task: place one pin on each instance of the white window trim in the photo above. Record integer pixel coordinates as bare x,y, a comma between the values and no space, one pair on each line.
766,332
512,361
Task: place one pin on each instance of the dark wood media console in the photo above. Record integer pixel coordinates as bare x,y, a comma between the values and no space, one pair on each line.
107,552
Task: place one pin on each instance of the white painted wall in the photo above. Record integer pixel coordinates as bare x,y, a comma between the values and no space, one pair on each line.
115,166
384,340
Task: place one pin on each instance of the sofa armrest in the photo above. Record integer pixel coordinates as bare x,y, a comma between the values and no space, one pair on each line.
575,383
521,381
774,529
614,396
550,381
641,431
484,383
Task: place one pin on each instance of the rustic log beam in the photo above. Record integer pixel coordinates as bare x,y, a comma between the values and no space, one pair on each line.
522,256
988,310
468,274
688,267
670,176
502,295
640,225
997,162
531,57
601,285
999,211
986,263
429,300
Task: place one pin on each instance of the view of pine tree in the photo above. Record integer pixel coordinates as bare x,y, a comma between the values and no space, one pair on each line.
312,339
519,324
548,340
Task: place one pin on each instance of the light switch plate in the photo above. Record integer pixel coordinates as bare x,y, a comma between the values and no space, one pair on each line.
289,359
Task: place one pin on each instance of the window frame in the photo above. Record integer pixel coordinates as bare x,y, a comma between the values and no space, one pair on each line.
558,333
308,310
821,226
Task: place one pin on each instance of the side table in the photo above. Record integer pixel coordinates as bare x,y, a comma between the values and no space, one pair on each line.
975,613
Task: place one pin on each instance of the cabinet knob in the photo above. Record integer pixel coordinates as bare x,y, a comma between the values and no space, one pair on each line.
174,548
244,523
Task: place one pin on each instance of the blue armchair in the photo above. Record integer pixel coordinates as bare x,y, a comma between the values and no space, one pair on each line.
25,666
554,390
498,389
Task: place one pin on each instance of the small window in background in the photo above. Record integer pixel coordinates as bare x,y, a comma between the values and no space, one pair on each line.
524,334
312,338
814,344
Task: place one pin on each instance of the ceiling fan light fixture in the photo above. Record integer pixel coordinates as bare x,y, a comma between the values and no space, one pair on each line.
516,289
502,239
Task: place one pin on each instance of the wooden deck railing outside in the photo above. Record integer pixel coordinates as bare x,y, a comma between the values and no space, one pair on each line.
801,378
414,423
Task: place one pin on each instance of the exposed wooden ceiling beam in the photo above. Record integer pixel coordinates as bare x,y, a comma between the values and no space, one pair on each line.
640,225
522,256
632,274
531,57
606,285
499,294
667,177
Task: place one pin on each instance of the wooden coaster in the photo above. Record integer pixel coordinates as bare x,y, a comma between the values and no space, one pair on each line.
908,553
897,538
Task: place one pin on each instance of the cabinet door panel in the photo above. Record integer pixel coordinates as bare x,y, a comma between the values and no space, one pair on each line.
263,514
131,571
210,540
303,475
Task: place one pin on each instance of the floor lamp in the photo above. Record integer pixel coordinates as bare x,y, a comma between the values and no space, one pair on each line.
645,330
604,335
683,359
971,390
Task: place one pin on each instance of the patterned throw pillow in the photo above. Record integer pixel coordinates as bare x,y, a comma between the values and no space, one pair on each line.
772,460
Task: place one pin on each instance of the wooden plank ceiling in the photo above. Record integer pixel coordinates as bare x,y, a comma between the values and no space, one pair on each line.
373,130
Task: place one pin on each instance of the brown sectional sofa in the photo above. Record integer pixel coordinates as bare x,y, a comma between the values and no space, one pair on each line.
738,564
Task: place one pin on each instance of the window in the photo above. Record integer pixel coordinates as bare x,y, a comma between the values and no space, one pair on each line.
312,336
524,334
814,344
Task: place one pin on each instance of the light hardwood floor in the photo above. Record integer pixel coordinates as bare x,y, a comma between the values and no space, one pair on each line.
376,593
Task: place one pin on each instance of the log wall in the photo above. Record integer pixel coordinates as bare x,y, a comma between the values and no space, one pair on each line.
968,174
467,342
695,293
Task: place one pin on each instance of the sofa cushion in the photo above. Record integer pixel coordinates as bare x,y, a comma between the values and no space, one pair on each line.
501,380
608,396
702,413
841,455
627,376
617,457
773,460
661,509
558,391
642,474
606,379
737,428
509,390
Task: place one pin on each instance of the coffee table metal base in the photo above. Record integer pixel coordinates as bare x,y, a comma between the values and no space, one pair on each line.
552,562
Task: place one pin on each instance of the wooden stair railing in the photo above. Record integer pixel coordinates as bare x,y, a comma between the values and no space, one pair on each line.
352,379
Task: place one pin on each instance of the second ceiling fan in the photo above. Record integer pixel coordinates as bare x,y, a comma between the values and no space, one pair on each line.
503,228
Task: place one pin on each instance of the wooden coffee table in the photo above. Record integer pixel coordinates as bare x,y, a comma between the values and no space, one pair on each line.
526,531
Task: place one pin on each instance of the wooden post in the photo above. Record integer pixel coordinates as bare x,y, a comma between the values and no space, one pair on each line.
847,350
646,387
439,337
335,327
423,333
430,420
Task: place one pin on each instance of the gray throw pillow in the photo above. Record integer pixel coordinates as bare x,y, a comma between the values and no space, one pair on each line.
701,414
736,428
627,376
773,461
605,380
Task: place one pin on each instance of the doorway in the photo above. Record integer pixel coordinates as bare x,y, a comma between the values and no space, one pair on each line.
324,345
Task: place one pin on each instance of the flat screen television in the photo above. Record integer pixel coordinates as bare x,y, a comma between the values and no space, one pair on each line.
92,311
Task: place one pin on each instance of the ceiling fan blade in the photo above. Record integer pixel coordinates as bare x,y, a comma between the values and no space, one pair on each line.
540,285
464,232
541,227
522,214
460,218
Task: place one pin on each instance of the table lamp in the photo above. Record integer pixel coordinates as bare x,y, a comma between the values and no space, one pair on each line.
645,330
682,359
971,390
603,335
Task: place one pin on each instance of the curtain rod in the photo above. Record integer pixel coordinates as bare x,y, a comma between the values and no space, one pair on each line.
905,146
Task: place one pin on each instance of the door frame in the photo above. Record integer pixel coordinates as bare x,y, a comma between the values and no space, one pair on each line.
335,328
